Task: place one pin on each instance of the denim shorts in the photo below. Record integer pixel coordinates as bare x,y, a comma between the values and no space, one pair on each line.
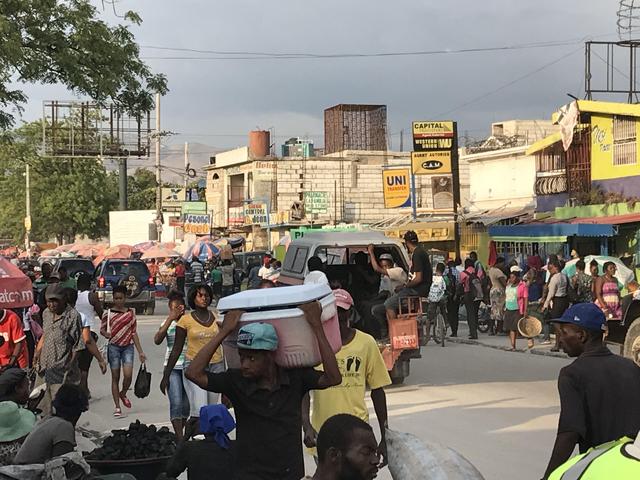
198,397
178,400
119,356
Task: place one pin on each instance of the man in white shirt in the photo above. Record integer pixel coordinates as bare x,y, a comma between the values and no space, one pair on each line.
266,267
315,275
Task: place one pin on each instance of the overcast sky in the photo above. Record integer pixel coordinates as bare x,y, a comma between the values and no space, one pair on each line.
216,102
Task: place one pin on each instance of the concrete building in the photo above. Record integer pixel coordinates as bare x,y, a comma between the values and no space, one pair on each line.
298,147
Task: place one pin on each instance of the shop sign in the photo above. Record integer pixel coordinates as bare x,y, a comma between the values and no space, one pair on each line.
255,214
429,163
316,202
199,224
396,187
429,136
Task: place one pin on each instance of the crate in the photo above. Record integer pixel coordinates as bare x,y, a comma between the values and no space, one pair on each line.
404,333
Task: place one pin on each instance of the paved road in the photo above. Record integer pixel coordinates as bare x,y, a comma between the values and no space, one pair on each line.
497,408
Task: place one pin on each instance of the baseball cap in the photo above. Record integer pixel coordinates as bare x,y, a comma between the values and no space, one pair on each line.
585,315
386,256
343,298
258,336
515,269
411,236
55,290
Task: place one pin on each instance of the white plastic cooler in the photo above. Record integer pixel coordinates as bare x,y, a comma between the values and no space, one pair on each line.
297,345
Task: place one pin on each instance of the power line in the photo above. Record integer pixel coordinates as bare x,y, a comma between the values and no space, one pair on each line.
512,82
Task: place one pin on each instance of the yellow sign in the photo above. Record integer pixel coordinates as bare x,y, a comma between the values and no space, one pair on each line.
428,163
396,187
432,129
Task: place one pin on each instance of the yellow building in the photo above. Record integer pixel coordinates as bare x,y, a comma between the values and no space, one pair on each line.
604,154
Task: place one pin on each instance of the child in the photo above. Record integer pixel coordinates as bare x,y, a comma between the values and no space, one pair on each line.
517,297
437,295
120,327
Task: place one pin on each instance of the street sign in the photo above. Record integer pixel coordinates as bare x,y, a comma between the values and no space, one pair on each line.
255,213
197,223
194,207
396,187
316,202
428,163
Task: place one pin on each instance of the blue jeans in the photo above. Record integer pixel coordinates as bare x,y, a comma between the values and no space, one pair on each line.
178,400
118,356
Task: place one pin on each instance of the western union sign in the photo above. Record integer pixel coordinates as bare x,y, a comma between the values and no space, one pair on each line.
430,136
428,163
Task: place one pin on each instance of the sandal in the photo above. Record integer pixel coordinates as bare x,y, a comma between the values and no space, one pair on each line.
117,413
125,400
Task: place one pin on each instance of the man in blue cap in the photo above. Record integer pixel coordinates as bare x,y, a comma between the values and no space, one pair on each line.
211,457
599,391
266,398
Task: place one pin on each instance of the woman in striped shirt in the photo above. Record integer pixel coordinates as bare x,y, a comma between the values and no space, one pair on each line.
120,327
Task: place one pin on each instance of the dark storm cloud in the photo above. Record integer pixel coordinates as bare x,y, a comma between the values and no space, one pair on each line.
232,97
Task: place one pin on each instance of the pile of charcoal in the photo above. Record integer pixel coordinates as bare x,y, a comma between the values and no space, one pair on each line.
138,442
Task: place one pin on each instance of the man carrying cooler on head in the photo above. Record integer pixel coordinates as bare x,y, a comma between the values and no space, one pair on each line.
361,366
266,397
599,391
422,276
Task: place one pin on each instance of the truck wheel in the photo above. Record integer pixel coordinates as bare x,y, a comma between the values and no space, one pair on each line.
149,309
139,310
424,327
632,342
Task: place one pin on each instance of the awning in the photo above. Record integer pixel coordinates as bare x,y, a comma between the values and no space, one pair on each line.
489,217
549,233
611,219
544,143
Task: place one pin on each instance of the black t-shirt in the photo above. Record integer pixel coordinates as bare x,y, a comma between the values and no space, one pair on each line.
599,398
420,263
203,460
269,423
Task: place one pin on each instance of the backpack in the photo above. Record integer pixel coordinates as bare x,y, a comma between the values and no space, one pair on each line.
475,287
450,280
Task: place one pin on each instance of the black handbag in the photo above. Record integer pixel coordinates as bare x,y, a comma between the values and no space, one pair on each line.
142,387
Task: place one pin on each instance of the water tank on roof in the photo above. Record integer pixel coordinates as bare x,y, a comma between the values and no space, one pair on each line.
259,143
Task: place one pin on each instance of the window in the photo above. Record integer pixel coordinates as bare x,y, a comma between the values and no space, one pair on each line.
624,141
551,159
296,259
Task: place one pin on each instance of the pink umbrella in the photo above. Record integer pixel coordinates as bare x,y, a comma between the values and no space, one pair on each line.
144,246
160,252
15,287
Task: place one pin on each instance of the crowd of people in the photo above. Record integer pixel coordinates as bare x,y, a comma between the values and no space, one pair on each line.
277,410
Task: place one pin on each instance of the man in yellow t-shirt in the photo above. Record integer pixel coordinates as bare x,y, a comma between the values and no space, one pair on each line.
361,366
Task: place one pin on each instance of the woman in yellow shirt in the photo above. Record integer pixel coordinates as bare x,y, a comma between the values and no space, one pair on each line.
196,329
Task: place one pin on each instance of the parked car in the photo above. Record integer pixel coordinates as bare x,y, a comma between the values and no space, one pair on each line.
75,266
134,275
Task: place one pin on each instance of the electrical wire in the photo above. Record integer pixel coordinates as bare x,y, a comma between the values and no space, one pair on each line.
508,84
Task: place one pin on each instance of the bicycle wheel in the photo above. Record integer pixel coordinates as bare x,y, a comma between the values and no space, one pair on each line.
442,328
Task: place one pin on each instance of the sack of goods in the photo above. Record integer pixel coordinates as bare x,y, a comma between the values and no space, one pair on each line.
297,345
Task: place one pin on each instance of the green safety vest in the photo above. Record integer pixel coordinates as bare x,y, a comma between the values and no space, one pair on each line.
604,462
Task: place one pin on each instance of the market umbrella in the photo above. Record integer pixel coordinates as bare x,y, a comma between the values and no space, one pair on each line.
144,246
623,273
16,290
204,250
159,252
90,251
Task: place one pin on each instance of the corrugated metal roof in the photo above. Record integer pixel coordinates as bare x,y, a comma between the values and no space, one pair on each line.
611,219
491,217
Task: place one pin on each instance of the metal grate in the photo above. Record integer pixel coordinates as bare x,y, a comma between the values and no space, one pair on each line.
624,141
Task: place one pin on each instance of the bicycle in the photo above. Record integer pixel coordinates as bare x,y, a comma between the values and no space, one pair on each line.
439,329
436,330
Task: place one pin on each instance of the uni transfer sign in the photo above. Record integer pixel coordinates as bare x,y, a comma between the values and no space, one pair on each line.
433,146
396,187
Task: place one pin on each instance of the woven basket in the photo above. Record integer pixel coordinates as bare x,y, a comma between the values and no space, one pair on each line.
529,326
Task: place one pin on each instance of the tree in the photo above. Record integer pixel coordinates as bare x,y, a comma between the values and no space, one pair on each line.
63,41
69,197
142,190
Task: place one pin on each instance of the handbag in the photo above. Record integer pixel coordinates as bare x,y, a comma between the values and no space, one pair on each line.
142,388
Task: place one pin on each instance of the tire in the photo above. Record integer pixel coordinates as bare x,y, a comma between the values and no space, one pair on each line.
631,348
441,326
139,310
150,309
438,327
400,371
398,380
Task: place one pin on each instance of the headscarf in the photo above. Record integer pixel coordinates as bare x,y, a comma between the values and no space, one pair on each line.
216,421
9,379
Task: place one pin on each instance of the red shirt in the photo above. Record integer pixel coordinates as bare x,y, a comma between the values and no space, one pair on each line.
11,331
121,325
180,270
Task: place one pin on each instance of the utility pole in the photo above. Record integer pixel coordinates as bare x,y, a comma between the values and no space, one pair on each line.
122,182
27,218
158,177
186,166
402,140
